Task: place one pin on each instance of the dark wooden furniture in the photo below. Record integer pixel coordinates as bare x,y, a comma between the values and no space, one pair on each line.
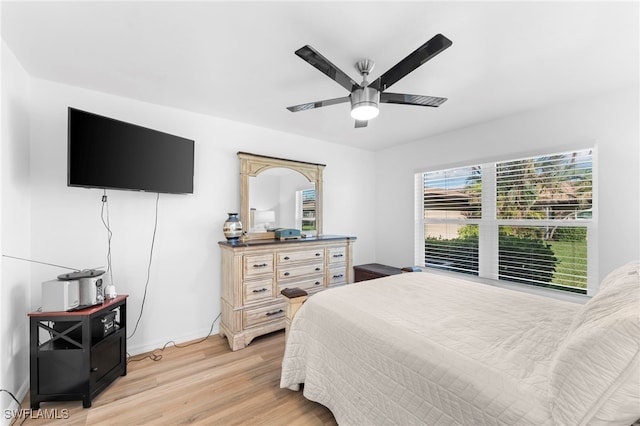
372,271
76,355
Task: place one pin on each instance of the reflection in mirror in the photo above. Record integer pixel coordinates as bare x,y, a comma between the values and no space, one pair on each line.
306,210
281,198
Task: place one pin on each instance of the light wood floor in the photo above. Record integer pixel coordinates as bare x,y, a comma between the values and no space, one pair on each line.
204,383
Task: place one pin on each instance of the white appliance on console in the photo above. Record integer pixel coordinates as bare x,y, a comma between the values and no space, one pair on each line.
60,295
75,290
91,291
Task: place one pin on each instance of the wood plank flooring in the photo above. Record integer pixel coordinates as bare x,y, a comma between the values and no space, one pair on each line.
204,383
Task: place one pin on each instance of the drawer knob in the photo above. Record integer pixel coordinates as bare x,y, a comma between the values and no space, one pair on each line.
338,276
318,254
287,258
261,265
279,311
286,274
317,283
260,290
318,269
338,255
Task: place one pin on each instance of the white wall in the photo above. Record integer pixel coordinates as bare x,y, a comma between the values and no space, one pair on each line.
609,122
183,295
15,231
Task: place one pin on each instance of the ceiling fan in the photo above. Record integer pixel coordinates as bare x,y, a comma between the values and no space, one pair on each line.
364,97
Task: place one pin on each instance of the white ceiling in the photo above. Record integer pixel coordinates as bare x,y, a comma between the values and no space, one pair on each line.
236,59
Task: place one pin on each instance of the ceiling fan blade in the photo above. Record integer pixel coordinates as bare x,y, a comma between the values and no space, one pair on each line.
318,61
405,99
318,104
422,54
361,123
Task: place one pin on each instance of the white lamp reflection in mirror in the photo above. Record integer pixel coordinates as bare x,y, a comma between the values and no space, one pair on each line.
262,220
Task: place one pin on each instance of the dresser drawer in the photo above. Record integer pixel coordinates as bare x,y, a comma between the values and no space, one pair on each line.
258,316
285,258
310,285
257,264
285,273
258,290
337,255
337,275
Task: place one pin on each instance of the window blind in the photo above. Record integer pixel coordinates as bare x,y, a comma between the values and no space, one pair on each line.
451,205
554,187
553,194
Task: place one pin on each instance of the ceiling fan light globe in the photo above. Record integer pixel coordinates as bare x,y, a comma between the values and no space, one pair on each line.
365,112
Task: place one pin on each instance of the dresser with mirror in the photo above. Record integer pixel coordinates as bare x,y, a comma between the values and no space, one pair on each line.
277,193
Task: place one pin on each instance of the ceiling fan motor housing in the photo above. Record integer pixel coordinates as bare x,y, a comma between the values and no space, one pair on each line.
365,98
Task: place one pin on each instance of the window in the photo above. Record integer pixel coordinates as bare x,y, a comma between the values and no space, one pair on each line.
525,221
306,210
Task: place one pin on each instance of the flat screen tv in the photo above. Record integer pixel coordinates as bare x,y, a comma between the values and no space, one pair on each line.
111,154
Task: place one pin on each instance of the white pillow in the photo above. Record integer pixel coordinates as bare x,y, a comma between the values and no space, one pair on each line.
595,377
631,268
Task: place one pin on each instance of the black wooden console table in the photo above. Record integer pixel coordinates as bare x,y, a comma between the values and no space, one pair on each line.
76,355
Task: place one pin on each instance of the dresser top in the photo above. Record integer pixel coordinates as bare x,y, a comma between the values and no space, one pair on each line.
256,243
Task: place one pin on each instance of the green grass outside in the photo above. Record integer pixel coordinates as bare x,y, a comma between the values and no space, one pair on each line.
572,260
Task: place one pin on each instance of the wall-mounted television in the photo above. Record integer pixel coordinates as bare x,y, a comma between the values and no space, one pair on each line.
112,154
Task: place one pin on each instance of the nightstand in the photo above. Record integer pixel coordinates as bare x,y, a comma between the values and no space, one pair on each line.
372,271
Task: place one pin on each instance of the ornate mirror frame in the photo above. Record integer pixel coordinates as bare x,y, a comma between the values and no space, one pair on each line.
252,165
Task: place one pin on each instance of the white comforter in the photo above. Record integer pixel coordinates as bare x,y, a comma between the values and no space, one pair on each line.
424,348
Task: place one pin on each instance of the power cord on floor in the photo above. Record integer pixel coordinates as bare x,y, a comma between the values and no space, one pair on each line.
153,356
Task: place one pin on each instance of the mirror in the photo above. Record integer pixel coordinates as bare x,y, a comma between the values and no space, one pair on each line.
279,193
277,200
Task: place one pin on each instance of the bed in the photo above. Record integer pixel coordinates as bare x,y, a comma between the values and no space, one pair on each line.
429,348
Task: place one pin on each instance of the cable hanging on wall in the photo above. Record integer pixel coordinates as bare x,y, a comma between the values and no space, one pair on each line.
146,285
105,221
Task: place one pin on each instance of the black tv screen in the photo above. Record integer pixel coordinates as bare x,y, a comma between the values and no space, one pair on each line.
111,154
